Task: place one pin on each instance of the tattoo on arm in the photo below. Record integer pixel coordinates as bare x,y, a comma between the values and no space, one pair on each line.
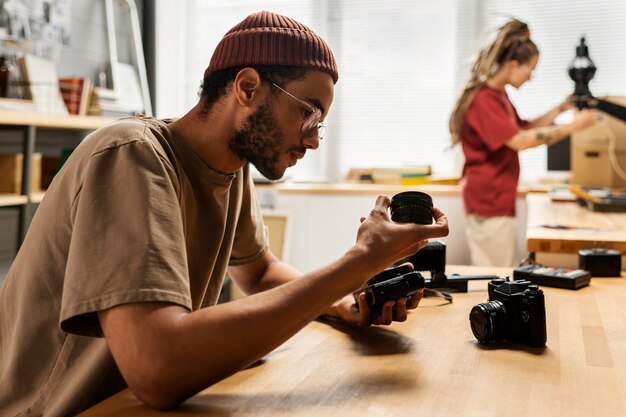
548,135
541,136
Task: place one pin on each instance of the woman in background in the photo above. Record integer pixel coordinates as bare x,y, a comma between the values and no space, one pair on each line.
491,133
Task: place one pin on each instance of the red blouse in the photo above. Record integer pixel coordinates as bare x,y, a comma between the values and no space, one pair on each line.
491,170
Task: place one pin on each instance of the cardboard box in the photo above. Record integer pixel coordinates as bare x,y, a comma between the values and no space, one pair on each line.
593,149
11,173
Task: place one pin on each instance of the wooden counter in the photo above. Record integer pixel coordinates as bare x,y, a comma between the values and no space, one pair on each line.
431,365
347,188
575,227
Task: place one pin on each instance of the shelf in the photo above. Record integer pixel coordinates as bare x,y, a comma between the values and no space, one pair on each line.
48,121
8,200
36,197
29,124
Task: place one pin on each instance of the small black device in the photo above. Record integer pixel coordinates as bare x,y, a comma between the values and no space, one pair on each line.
432,259
515,312
600,262
572,279
391,284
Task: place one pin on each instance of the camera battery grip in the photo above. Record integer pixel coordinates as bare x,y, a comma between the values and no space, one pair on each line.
391,284
572,279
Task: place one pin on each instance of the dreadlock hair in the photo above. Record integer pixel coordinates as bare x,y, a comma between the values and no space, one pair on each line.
512,43
217,84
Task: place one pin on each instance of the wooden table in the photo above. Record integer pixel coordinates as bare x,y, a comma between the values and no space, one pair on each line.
431,365
570,228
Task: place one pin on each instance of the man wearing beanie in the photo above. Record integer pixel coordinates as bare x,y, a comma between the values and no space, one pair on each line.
117,281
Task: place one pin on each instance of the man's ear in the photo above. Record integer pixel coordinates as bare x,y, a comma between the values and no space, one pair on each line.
247,86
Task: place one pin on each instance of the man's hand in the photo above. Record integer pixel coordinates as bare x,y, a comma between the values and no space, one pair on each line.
388,242
347,310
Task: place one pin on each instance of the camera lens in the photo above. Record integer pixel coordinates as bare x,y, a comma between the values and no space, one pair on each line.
488,321
412,207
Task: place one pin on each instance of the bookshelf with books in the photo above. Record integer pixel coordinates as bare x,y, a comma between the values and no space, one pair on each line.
76,93
106,102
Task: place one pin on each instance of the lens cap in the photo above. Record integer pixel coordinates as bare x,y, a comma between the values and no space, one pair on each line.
412,207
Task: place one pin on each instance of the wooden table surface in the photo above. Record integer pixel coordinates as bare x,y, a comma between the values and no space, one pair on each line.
431,365
576,227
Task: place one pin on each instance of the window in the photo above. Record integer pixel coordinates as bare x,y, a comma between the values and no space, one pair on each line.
402,64
556,27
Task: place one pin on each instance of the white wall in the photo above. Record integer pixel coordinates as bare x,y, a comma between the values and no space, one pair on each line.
323,226
169,58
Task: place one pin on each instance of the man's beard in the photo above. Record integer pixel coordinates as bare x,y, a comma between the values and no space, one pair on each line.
258,141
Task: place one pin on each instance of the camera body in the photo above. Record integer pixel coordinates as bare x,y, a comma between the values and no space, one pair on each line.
391,284
514,312
432,258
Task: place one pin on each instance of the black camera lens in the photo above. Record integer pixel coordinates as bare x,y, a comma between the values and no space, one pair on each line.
488,321
412,207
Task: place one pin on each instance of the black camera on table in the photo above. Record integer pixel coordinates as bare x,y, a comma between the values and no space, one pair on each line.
515,312
391,284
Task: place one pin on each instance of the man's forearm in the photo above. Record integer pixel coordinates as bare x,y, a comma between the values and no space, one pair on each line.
278,273
167,354
183,352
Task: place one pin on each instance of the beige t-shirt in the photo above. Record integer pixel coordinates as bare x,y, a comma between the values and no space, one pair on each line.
133,216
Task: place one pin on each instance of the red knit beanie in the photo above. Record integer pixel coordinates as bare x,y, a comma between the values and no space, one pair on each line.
266,38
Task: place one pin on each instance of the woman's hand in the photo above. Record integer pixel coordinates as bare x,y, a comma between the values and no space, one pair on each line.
586,118
566,104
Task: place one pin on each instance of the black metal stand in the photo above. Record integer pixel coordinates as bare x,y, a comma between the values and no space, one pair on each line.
611,108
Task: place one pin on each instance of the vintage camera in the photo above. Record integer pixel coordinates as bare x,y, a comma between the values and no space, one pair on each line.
391,284
515,312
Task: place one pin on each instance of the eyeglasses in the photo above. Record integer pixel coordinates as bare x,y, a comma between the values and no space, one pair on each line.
311,120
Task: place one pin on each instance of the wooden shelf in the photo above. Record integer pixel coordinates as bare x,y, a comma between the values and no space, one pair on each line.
8,118
36,197
8,200
29,124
